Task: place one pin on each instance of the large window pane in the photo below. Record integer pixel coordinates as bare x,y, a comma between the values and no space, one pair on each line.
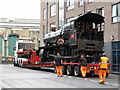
119,9
115,19
80,2
44,13
61,13
118,45
70,4
101,11
114,57
114,10
53,10
61,4
116,13
119,57
114,46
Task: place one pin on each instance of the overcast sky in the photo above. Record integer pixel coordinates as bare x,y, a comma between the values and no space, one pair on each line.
20,9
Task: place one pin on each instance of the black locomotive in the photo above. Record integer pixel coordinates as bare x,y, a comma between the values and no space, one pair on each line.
82,35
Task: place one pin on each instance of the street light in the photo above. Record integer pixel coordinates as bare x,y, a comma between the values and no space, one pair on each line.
5,40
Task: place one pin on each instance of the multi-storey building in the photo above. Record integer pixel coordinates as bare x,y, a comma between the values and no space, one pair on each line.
60,12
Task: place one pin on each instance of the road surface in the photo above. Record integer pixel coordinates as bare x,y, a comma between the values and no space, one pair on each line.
15,77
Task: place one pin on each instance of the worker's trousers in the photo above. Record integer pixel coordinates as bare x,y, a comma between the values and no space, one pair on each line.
83,70
102,75
59,70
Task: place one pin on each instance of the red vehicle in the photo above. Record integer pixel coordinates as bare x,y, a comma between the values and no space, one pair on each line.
82,36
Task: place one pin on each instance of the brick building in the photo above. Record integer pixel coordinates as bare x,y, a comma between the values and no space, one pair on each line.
58,13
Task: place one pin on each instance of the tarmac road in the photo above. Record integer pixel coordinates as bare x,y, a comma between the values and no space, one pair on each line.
16,77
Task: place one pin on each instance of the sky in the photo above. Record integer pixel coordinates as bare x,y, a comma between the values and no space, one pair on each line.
29,9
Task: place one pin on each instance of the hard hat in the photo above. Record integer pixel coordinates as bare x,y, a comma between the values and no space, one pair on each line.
104,54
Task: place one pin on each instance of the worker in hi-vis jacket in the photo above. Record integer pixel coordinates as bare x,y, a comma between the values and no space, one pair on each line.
83,62
58,62
103,65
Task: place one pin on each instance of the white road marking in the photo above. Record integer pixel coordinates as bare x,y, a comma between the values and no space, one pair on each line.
93,81
70,77
78,78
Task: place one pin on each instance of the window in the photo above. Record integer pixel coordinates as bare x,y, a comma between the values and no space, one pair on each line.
61,13
89,1
53,27
70,4
69,19
80,2
101,11
44,13
52,10
116,56
116,13
43,31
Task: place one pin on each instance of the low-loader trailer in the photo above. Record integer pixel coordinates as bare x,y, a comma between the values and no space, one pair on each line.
83,35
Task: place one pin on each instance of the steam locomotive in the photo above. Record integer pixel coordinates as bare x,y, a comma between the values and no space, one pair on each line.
82,35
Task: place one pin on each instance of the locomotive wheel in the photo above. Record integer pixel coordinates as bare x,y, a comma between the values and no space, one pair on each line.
63,69
69,70
77,71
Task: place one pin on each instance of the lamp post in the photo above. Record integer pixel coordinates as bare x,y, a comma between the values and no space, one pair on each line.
5,46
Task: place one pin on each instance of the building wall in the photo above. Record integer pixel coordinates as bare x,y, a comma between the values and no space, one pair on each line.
50,19
110,29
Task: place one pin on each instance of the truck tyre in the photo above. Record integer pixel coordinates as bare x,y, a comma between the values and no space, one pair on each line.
17,63
21,64
14,63
69,70
77,71
63,69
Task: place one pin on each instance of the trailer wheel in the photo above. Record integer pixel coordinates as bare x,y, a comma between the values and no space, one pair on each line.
69,70
77,71
63,69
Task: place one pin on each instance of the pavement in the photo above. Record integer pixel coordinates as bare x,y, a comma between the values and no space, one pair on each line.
16,77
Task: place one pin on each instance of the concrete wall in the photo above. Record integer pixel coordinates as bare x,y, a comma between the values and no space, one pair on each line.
108,51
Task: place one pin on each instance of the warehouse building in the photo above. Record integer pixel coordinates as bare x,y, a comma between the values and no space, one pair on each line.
60,12
12,30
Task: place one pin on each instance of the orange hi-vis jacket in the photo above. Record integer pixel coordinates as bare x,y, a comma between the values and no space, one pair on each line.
104,63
